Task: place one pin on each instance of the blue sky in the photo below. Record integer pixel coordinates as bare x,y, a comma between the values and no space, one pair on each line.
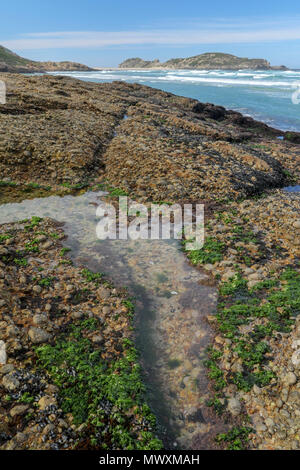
103,33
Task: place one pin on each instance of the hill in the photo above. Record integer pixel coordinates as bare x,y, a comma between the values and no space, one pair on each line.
211,60
13,63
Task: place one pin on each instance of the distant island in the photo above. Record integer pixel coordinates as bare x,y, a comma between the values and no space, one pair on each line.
13,63
208,61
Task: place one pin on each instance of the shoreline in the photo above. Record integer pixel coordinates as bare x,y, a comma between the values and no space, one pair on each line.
168,69
270,118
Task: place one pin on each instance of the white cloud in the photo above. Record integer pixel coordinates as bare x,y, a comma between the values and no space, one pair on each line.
219,31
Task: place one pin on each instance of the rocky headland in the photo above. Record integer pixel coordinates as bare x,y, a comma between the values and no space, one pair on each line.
60,136
207,61
13,63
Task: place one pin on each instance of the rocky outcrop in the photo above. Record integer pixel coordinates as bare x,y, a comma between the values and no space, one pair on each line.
206,61
60,130
140,63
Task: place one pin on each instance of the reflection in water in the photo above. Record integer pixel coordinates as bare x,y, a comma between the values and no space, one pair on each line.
171,305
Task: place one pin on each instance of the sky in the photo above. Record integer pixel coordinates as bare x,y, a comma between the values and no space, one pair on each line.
104,33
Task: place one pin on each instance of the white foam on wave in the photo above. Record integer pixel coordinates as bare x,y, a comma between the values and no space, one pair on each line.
286,80
227,81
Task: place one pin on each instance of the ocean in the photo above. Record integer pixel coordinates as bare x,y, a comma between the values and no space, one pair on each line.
269,96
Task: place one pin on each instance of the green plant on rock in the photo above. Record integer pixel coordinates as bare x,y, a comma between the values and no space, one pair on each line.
91,277
5,237
98,393
277,305
4,184
236,438
31,186
217,404
130,307
211,253
21,261
64,250
234,285
215,373
34,222
46,281
32,246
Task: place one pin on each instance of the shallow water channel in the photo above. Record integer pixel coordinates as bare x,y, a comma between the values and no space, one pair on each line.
172,300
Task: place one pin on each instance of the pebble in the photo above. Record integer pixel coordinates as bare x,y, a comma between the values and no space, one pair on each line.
10,382
103,293
47,245
296,359
290,378
46,401
37,289
38,336
106,310
97,339
6,369
20,437
41,238
49,428
3,355
39,319
234,406
18,410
